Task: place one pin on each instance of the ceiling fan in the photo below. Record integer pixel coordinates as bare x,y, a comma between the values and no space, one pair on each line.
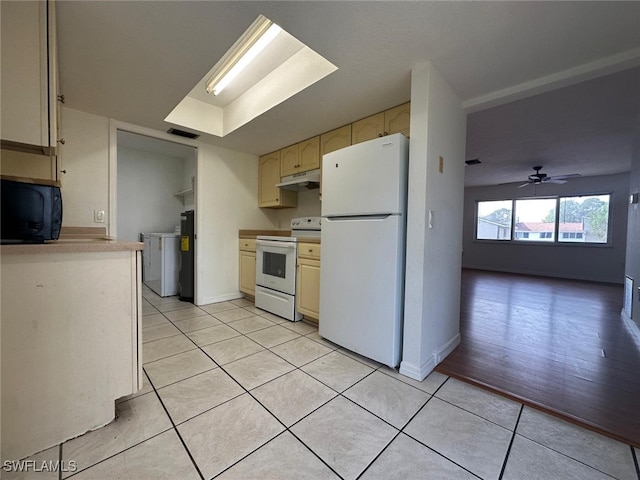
539,178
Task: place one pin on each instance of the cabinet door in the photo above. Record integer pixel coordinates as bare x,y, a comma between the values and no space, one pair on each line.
289,160
268,176
308,291
248,272
367,128
397,119
335,139
29,97
309,154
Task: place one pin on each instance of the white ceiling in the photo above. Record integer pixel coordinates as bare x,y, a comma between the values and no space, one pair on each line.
135,60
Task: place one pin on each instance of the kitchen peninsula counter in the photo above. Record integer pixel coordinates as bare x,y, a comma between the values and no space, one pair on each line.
72,245
71,338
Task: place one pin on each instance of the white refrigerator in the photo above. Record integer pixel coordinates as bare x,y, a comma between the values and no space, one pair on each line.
364,205
161,264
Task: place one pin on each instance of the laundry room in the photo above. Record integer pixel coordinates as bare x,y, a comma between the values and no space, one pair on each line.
156,180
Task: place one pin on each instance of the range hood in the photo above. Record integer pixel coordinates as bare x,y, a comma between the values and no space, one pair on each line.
301,181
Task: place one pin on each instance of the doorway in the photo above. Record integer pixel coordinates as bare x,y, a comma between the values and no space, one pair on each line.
152,182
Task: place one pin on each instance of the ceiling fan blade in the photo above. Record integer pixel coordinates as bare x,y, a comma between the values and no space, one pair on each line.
524,184
556,180
564,177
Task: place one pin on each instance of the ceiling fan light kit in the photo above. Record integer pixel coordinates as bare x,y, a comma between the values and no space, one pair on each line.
539,178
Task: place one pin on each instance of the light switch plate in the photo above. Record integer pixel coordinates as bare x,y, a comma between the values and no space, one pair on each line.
98,216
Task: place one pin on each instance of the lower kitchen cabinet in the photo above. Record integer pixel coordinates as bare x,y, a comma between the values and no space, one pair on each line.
247,282
308,280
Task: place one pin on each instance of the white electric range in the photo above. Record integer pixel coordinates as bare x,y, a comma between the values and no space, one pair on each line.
276,259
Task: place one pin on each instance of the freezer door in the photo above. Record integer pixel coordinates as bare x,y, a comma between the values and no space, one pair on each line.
370,177
362,285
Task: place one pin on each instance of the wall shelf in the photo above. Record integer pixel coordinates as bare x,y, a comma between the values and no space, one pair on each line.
184,193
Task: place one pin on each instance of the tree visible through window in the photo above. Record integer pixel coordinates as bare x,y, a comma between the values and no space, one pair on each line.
579,219
587,218
494,220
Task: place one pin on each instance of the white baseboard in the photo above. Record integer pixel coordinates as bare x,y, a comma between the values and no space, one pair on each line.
417,373
420,373
221,298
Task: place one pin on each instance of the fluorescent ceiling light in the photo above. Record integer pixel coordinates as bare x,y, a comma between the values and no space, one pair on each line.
254,40
284,68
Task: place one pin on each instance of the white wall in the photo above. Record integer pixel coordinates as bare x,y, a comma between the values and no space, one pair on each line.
84,155
226,191
227,199
582,262
434,245
308,206
146,184
632,266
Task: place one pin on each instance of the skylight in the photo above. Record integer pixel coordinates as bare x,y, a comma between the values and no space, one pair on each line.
282,67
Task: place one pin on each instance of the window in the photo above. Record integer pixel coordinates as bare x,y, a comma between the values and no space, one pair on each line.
585,219
576,219
536,216
494,220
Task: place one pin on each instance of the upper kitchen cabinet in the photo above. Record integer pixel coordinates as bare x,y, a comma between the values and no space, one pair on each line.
367,128
397,119
29,77
335,139
301,157
394,120
289,159
309,153
269,195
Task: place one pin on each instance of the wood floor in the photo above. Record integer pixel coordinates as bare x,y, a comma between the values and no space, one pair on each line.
558,345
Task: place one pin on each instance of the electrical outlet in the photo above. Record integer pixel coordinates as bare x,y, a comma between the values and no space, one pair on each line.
98,216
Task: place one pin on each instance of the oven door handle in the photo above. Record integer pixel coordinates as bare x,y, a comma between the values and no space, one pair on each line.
270,243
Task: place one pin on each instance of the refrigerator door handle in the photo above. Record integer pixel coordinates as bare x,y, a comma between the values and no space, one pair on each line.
377,216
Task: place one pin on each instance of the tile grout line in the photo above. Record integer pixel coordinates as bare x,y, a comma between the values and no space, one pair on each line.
300,335
60,461
398,433
175,428
433,395
547,447
248,392
117,453
635,460
513,437
476,414
338,394
288,428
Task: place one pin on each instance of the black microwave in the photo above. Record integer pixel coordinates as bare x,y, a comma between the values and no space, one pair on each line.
31,211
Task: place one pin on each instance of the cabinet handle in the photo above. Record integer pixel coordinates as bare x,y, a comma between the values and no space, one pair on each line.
63,171
310,250
61,98
61,141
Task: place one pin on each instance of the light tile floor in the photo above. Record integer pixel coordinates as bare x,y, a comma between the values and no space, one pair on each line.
232,392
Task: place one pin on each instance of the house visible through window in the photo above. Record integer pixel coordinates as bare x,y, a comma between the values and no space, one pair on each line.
578,219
